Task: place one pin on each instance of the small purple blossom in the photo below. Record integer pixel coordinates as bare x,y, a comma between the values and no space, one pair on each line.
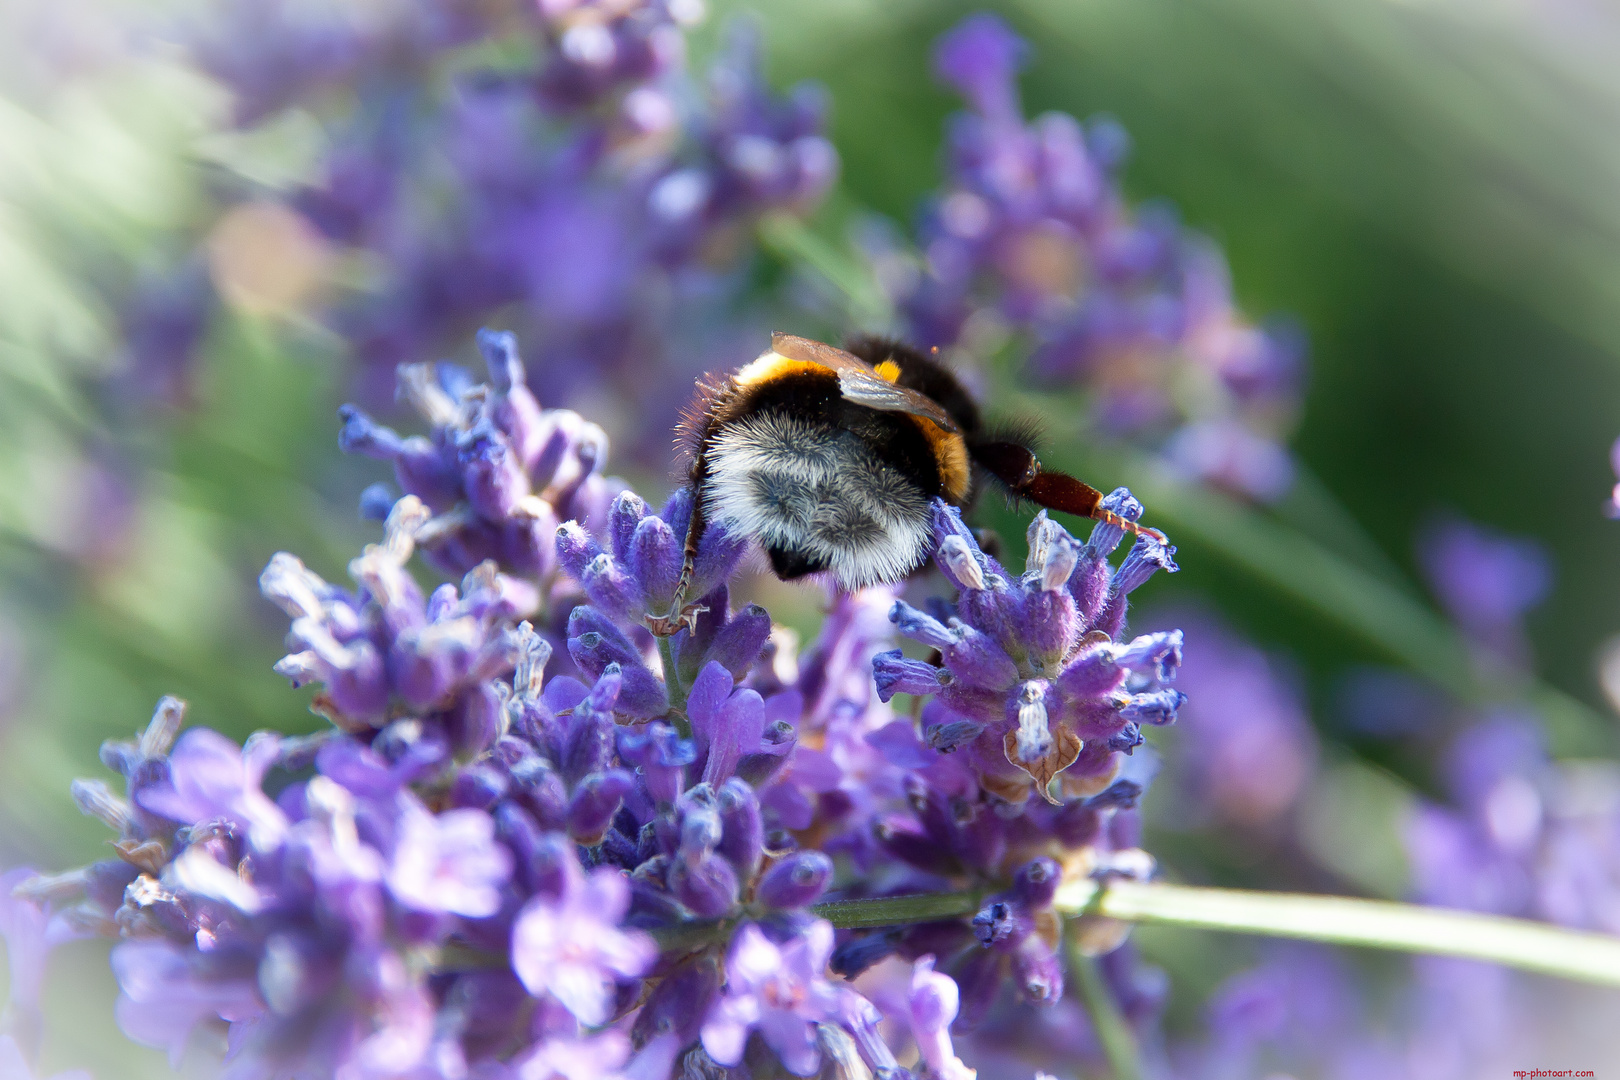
570,945
779,990
447,862
1487,583
933,1005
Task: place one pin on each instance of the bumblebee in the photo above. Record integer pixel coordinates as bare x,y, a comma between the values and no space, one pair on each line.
831,460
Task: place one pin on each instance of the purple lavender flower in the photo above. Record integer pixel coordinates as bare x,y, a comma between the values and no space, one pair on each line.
497,471
596,192
1034,662
570,945
780,991
1487,583
1246,748
1032,231
447,862
388,643
26,927
934,1004
469,804
635,575
210,778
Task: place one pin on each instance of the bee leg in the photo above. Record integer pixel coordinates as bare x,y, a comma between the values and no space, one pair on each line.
1017,467
681,613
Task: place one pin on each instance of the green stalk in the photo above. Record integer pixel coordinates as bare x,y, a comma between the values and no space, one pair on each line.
677,690
1113,1030
899,910
1342,920
1336,920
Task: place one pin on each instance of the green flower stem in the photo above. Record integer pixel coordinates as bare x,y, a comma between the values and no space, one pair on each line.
1335,920
1113,1030
677,690
899,910
1340,920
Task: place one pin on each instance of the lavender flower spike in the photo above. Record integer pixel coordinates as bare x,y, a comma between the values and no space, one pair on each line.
1035,661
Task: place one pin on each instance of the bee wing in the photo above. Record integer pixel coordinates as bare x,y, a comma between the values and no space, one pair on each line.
858,382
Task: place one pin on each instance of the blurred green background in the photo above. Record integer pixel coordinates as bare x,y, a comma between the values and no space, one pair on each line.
1431,187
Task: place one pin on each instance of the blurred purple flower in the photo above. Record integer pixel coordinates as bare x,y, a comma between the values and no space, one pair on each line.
1487,583
571,947
14,1064
1032,233
1246,749
779,990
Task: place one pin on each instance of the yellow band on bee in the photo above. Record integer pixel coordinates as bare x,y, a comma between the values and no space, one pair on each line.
773,365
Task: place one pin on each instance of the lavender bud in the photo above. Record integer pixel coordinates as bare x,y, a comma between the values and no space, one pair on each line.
492,475
743,827
957,562
862,951
1160,652
478,787
376,501
920,626
707,887
952,734
1053,555
656,554
660,756
1036,882
993,923
795,882
738,643
1034,736
898,674
596,800
1158,707
680,1002
1038,971
1105,536
95,799
1147,556
161,730
611,587
976,659
626,514
575,548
